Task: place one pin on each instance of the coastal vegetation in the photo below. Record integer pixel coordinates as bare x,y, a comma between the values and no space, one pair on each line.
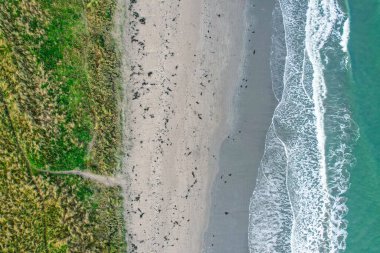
59,94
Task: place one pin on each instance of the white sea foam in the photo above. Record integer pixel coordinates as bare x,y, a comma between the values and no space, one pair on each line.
278,52
271,202
298,203
345,35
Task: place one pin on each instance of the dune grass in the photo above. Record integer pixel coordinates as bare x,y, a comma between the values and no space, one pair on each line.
59,93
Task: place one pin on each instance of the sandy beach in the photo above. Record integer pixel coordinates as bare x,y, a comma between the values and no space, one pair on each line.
181,63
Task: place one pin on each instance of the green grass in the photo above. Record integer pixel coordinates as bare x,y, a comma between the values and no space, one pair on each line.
59,84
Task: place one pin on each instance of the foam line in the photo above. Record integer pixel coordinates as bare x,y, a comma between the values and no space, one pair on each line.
298,203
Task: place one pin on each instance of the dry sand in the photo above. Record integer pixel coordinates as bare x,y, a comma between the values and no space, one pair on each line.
180,65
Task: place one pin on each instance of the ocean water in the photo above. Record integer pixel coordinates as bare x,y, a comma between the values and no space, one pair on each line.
300,200
364,192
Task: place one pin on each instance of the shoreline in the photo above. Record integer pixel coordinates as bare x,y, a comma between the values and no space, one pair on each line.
242,150
228,105
175,102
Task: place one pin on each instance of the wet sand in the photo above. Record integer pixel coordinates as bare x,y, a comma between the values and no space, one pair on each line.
241,151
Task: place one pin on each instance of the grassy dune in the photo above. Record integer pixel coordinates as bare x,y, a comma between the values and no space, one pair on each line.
59,88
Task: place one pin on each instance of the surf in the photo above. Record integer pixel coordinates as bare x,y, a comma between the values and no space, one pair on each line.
298,204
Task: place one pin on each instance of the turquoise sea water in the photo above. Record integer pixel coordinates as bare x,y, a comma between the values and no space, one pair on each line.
318,186
364,193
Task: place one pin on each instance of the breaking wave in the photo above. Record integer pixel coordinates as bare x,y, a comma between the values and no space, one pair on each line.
298,204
